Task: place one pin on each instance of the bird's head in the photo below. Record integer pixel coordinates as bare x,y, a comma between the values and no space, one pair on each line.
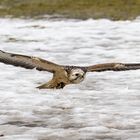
76,75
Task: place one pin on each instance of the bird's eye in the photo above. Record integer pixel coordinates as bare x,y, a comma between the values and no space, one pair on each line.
77,74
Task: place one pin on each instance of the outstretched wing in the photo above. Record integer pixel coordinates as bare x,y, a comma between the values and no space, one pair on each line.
28,62
113,67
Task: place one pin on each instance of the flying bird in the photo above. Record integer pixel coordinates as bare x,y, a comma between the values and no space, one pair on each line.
62,75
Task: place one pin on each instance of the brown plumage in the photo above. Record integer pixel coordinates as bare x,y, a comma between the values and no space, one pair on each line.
62,75
113,67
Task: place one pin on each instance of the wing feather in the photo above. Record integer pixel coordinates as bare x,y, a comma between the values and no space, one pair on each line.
28,62
113,67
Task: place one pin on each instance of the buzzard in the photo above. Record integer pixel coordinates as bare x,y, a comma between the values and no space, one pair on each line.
62,75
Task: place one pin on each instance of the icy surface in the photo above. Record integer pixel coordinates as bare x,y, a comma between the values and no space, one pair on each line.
105,106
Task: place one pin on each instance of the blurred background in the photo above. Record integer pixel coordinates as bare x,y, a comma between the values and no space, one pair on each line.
83,9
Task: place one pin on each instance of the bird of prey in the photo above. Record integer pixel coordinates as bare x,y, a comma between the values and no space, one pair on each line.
62,75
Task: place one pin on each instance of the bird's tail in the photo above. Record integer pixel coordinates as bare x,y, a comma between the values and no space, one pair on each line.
52,85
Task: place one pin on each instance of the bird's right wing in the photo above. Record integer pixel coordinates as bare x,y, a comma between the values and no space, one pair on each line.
28,62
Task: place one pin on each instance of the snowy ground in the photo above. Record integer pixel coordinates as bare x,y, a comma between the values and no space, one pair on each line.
105,106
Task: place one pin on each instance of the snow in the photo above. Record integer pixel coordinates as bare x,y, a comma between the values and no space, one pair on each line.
105,106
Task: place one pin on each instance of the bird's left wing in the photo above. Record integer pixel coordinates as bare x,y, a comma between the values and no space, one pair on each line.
28,62
113,67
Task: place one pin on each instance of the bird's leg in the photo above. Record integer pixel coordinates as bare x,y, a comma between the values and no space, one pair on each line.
60,85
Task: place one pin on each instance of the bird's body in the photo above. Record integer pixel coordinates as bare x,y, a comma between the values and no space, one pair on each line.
62,75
